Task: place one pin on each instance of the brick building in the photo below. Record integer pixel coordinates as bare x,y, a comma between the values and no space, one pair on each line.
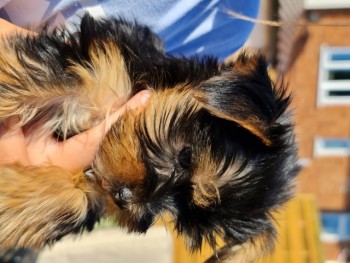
316,62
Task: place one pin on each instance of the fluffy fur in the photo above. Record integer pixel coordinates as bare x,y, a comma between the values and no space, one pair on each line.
214,148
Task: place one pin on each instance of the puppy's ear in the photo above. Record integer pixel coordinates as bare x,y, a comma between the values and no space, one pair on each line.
245,94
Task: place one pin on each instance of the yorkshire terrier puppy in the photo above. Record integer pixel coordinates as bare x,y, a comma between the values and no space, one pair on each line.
214,148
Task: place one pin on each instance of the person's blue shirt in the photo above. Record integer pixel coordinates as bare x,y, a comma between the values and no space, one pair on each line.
187,27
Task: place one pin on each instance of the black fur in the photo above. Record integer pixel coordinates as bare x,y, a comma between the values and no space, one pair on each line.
243,121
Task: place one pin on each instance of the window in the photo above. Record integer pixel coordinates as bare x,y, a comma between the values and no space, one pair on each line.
326,4
334,76
331,147
335,226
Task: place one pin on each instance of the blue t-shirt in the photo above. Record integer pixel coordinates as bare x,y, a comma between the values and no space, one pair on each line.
187,27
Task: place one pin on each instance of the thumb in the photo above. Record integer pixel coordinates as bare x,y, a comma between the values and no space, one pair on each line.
136,102
79,151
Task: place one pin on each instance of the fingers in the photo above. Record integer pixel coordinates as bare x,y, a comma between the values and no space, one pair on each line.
78,152
73,155
6,28
136,102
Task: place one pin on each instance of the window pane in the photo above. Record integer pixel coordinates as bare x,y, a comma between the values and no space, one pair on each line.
339,74
340,56
336,143
334,72
339,93
330,223
347,231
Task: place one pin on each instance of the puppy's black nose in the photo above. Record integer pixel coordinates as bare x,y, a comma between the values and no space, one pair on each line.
122,197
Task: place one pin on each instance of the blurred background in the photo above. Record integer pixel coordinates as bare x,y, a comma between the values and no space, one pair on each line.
315,61
312,51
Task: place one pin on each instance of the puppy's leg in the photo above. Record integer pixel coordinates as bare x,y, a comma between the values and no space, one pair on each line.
44,85
249,252
40,205
39,95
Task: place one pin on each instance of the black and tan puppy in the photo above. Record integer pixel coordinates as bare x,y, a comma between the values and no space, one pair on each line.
214,148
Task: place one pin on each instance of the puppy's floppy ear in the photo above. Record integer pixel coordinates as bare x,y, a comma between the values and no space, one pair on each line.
245,94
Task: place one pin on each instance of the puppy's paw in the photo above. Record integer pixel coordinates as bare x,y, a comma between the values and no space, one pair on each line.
40,205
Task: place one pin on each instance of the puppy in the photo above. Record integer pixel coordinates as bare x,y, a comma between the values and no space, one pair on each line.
214,148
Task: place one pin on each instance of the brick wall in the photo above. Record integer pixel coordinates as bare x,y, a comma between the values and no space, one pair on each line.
326,177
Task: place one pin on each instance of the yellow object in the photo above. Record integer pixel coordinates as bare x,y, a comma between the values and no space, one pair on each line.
298,242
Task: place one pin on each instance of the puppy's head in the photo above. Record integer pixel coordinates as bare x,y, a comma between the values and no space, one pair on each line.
218,157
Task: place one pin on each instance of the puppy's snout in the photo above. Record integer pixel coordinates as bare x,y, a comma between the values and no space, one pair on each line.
122,197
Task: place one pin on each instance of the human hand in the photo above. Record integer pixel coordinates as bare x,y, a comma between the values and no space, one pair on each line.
74,154
6,28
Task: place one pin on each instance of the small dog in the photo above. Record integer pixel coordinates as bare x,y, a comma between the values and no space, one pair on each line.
214,148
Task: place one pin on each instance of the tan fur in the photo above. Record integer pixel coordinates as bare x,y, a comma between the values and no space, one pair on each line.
248,252
40,205
106,84
35,202
205,184
71,108
133,171
124,154
161,110
252,124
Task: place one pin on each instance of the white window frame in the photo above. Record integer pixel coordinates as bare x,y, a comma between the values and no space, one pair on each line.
325,85
326,4
320,149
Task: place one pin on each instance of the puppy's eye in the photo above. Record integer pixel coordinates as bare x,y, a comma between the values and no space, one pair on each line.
185,157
